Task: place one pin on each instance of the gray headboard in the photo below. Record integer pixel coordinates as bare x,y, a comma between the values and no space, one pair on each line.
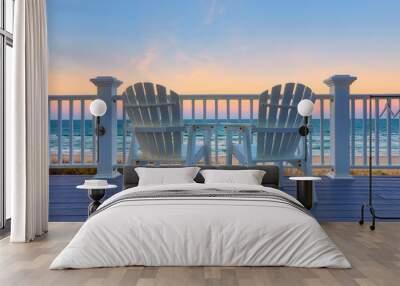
270,179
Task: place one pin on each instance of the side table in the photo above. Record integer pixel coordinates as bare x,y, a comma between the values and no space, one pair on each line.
95,193
305,189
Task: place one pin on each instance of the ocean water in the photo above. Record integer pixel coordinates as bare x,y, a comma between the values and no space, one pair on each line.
221,136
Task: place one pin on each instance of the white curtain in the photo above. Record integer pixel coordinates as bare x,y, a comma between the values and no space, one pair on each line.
27,124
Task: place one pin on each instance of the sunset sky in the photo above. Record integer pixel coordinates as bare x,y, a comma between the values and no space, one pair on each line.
224,46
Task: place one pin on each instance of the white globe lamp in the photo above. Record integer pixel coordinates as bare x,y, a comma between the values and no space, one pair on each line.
305,107
98,108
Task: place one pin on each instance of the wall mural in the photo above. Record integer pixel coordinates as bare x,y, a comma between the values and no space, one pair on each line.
224,52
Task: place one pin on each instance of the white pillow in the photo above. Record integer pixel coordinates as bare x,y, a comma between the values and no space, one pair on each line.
166,176
248,177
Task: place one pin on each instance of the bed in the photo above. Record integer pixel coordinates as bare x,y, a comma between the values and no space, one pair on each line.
197,224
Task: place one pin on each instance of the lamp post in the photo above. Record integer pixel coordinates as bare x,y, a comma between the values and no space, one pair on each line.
98,108
305,109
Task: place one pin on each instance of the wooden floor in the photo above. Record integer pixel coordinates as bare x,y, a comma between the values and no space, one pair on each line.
338,200
375,257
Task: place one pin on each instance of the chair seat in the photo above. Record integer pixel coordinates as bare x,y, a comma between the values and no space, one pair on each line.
274,158
181,159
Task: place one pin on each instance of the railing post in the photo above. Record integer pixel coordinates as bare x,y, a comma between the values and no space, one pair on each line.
339,86
106,90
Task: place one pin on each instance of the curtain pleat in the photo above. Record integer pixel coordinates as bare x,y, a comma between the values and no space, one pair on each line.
28,163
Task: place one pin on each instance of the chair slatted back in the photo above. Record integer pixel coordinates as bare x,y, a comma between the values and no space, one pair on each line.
176,120
294,138
278,115
156,121
283,116
165,117
262,115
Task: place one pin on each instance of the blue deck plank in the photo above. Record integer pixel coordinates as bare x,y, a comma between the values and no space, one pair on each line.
338,200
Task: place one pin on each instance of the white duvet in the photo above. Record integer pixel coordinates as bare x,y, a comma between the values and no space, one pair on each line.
193,231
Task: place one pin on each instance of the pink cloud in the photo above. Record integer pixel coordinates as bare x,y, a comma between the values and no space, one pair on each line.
150,56
214,10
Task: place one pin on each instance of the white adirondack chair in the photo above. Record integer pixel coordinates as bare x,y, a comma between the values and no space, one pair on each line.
277,129
158,127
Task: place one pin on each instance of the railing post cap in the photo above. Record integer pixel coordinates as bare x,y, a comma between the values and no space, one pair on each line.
106,81
340,79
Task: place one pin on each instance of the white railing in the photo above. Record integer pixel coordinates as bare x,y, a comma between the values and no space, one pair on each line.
72,138
72,141
62,135
385,130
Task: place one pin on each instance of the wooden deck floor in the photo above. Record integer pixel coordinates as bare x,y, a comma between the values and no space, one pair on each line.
338,200
374,257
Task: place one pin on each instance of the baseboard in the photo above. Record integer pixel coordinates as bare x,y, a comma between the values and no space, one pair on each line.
5,231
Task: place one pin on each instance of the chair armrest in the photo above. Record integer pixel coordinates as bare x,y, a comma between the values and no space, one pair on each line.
253,128
203,126
158,129
276,129
236,126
